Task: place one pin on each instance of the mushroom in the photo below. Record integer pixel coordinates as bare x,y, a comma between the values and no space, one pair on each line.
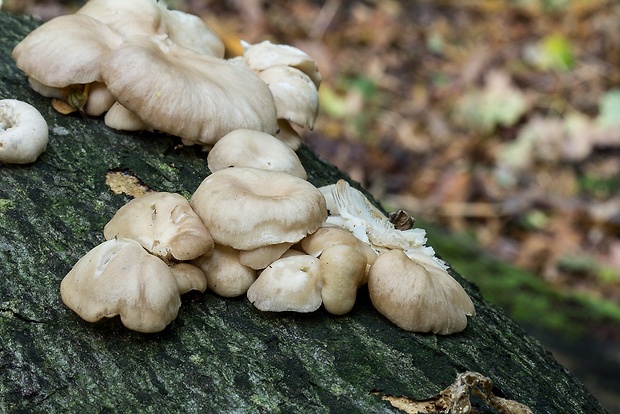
246,148
118,277
265,55
263,256
164,224
226,276
196,97
128,18
357,214
188,277
23,132
293,79
418,297
247,208
342,272
289,284
66,50
121,118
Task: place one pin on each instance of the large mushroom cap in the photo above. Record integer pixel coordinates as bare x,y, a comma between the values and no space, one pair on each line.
119,277
164,224
196,97
247,208
245,148
66,50
128,18
417,299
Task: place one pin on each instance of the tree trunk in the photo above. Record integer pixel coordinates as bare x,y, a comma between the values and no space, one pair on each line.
219,355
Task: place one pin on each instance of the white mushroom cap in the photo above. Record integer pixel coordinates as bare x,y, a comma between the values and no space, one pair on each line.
164,224
121,118
288,134
23,132
263,256
288,284
265,55
66,50
99,99
418,298
245,148
178,91
128,18
342,271
246,208
188,277
118,277
226,276
295,96
193,33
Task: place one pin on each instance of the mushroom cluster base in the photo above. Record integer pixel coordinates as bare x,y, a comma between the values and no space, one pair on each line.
219,355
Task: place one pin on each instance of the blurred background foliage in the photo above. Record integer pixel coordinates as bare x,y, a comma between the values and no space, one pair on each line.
496,123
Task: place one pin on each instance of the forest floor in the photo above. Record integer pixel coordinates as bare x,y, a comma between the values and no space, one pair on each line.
497,120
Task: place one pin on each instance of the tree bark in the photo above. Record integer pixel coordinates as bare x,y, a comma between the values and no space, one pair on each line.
219,355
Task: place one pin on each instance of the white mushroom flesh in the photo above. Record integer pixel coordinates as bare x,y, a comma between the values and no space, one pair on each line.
24,133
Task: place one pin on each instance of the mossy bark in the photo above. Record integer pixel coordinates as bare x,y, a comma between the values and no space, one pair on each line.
219,355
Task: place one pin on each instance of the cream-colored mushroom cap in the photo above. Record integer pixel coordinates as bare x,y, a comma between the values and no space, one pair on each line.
246,208
118,277
188,277
342,271
23,132
288,284
418,298
263,256
296,97
265,55
128,18
164,224
121,118
196,97
246,148
66,50
226,276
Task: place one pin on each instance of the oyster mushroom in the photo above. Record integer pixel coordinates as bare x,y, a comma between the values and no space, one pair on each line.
23,132
418,297
288,284
118,277
247,208
246,148
179,91
164,224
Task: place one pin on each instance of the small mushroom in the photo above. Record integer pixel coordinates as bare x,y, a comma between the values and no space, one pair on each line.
179,91
164,224
121,118
188,277
245,148
263,256
342,271
226,276
23,132
118,277
247,208
289,284
418,297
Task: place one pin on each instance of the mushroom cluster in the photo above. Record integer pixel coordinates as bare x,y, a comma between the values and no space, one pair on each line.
255,226
149,68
